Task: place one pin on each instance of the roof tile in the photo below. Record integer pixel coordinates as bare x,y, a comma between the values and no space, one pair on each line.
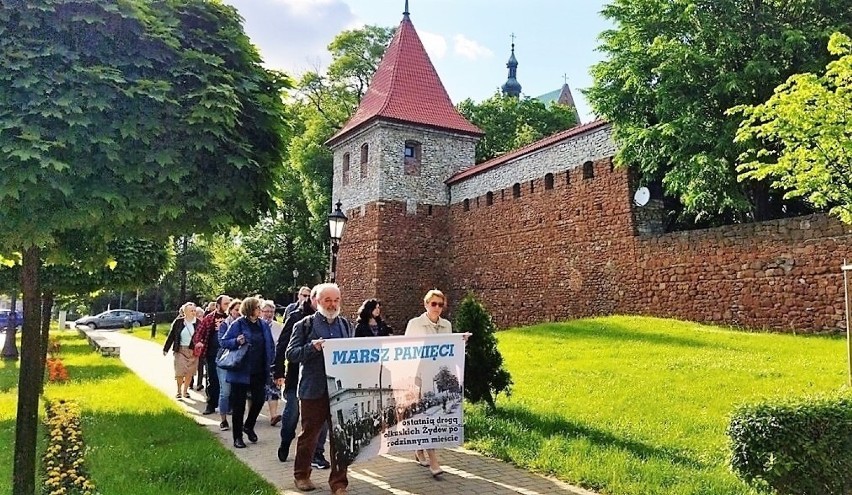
406,88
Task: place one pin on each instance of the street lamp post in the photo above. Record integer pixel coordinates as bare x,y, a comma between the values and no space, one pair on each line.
295,287
336,222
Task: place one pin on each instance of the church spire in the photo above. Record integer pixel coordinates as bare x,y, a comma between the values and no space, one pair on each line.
512,87
406,13
406,89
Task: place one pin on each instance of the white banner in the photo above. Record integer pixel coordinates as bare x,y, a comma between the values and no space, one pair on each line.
394,394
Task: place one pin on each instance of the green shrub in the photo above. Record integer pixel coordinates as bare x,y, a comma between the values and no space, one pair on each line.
801,448
484,373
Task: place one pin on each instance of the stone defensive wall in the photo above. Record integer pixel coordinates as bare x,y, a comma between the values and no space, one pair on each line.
552,233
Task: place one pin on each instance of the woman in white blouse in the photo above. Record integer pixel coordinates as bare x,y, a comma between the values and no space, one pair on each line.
430,323
180,342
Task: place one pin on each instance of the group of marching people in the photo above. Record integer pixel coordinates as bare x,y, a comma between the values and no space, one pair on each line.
283,361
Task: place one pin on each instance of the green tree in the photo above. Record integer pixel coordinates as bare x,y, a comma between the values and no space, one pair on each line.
142,117
484,374
801,138
510,122
83,267
674,68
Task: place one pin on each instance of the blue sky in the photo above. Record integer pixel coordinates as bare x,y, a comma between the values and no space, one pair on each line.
467,40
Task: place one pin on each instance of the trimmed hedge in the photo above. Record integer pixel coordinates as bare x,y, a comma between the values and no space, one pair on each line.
801,448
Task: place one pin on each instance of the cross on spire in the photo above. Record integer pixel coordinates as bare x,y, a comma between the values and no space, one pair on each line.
405,13
511,36
565,78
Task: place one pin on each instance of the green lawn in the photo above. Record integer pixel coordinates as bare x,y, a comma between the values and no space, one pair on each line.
145,333
139,441
633,405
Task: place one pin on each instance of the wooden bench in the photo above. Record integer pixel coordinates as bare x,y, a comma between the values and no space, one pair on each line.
100,342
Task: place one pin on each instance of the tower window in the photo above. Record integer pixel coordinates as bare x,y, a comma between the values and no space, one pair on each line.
466,205
568,177
411,160
532,186
588,170
516,191
489,198
548,181
363,163
346,169
365,153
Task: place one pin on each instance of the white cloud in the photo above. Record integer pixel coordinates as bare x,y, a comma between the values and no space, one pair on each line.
435,44
307,7
469,48
292,35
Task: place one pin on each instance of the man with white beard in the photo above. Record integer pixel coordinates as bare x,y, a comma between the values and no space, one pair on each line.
305,348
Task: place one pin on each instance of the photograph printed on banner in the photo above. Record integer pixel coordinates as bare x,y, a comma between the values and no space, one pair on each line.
395,394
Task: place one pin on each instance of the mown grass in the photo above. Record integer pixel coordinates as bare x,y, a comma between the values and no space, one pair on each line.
639,406
144,333
139,441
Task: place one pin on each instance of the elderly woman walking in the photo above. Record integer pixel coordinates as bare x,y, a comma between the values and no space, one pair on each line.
253,372
430,323
180,341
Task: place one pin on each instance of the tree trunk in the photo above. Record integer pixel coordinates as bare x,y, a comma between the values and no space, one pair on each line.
10,346
26,425
46,309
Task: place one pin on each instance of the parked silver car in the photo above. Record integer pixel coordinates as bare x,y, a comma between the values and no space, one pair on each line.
114,318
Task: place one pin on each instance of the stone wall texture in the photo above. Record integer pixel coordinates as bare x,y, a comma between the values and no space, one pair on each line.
591,146
576,251
443,154
570,246
395,256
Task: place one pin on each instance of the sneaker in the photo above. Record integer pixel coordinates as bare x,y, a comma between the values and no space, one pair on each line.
208,410
320,462
224,426
283,453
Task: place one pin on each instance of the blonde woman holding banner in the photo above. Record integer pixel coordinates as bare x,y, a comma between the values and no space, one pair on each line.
430,323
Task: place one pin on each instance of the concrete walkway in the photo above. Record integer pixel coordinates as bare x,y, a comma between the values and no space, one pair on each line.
466,471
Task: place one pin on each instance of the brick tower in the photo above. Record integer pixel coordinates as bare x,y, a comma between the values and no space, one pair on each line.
390,163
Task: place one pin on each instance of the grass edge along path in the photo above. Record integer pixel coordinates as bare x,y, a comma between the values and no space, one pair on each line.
138,441
629,405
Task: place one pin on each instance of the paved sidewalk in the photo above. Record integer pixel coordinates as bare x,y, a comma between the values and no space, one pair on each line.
466,472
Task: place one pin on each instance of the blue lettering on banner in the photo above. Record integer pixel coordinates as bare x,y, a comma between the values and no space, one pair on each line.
401,353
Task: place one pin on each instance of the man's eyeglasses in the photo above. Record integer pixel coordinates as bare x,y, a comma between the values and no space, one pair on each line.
436,304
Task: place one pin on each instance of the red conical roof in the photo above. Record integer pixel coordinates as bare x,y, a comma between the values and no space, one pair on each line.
406,88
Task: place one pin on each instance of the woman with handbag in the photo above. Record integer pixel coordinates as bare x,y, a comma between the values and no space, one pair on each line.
224,386
249,355
181,343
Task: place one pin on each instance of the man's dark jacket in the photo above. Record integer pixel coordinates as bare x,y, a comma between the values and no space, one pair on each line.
281,368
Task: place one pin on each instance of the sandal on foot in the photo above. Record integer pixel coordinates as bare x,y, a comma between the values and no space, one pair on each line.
420,460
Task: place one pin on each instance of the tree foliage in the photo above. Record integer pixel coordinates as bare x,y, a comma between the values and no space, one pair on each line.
145,118
132,114
484,374
801,138
510,122
673,70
